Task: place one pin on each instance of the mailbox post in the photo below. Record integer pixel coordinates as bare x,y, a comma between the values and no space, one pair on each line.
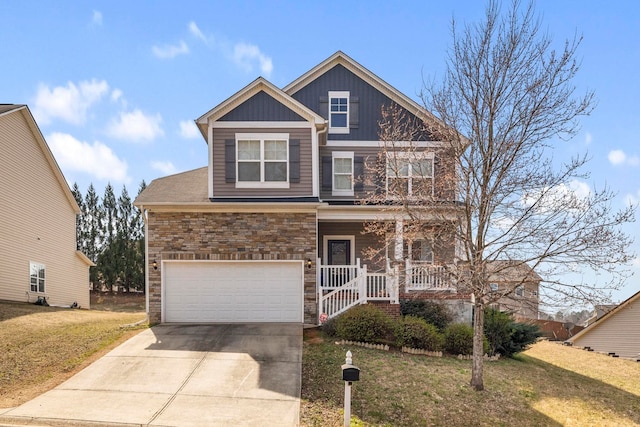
350,374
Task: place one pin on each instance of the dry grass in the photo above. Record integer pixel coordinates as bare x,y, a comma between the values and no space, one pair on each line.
549,385
40,347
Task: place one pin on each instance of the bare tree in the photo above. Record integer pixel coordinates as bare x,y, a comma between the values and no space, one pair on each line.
488,195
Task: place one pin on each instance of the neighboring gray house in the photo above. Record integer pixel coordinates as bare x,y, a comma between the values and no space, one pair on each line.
271,230
38,256
616,332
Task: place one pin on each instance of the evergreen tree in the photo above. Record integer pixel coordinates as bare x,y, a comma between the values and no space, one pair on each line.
92,234
80,218
109,258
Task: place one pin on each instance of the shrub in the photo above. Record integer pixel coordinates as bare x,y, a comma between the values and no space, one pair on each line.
497,330
329,327
434,313
524,334
415,332
506,336
365,323
458,339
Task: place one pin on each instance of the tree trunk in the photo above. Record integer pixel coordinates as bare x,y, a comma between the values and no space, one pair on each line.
477,381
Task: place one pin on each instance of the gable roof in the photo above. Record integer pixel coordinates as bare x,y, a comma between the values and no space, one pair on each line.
607,316
340,58
258,85
22,109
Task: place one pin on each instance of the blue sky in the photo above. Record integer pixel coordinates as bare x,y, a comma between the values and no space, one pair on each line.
115,85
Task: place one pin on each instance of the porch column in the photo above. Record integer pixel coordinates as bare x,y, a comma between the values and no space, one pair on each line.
399,240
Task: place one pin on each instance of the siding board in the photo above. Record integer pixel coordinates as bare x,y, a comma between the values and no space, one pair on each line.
37,222
363,241
221,188
370,102
261,108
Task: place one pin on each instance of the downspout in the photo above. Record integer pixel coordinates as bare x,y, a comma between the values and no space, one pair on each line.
316,160
316,192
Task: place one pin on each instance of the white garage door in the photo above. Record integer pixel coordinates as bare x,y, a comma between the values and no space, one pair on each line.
251,291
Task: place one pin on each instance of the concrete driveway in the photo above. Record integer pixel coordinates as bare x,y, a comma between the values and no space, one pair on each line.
182,375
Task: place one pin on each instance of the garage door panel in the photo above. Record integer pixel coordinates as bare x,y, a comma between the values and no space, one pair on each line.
233,291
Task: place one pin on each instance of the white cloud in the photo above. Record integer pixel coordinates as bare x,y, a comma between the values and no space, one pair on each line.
619,157
588,138
632,199
116,94
188,129
95,159
616,157
170,51
136,126
194,30
166,168
246,55
69,103
96,18
565,196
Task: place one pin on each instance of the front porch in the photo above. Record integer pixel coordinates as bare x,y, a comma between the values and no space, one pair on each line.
341,287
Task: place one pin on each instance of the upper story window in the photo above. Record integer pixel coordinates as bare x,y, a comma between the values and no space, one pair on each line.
519,291
262,160
493,287
36,277
419,251
339,112
342,173
409,174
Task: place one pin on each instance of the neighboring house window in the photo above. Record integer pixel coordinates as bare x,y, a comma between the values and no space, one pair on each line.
36,277
262,160
338,112
409,174
342,173
493,287
520,291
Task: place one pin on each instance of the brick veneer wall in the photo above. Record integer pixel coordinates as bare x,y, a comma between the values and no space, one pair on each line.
231,237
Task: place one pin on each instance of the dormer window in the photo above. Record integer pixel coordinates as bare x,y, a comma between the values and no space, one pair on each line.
339,112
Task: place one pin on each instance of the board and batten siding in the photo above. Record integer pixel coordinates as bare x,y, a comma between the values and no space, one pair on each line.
223,189
369,99
37,222
618,332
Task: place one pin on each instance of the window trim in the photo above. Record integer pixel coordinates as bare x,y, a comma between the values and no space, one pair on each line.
402,155
410,252
339,129
39,267
262,137
519,291
341,155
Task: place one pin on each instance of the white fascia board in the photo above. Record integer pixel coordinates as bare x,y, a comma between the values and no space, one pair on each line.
210,165
369,213
266,125
247,207
380,144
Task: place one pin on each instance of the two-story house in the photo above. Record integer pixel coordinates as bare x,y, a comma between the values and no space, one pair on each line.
272,228
39,259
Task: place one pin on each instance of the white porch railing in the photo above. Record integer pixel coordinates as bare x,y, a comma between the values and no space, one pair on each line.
341,287
423,277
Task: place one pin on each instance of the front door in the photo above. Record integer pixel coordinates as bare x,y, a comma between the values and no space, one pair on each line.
339,252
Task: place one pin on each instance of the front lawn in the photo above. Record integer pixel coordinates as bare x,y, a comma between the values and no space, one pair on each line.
548,385
40,347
